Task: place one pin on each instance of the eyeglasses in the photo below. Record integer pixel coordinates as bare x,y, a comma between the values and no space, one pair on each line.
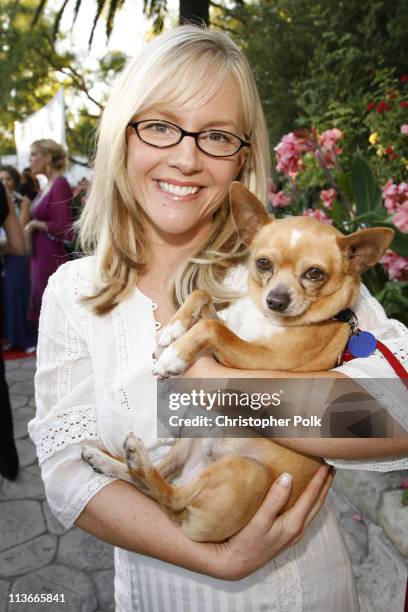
163,134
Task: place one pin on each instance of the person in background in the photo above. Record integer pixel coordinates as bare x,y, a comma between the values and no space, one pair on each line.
18,330
13,243
51,223
29,186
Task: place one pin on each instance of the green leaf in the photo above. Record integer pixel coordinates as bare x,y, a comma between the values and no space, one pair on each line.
404,499
366,192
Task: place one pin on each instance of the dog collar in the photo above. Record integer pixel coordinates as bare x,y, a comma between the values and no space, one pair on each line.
347,316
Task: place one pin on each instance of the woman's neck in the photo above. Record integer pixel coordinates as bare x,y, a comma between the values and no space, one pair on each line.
52,174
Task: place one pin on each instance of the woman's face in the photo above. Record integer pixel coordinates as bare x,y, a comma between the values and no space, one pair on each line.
154,172
7,180
38,161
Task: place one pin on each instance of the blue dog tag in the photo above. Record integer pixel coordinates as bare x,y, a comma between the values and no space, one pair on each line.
362,344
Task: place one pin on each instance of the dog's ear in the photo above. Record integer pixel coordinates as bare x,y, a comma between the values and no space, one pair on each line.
364,248
248,213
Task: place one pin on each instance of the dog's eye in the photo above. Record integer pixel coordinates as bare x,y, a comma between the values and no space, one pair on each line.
264,264
313,274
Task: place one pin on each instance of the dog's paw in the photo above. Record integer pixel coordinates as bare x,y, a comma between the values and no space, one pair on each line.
136,455
92,456
171,333
169,362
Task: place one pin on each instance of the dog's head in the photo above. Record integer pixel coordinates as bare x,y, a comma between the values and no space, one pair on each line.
301,270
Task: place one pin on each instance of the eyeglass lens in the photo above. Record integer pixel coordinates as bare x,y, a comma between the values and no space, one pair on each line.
163,134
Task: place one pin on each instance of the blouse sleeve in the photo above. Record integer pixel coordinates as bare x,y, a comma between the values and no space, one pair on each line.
373,371
65,400
60,220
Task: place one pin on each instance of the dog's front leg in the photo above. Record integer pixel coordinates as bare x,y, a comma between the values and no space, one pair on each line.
178,356
197,305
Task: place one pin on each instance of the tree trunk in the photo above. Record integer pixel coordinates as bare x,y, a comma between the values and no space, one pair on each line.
194,11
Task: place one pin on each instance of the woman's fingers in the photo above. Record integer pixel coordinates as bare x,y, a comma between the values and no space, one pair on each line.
274,501
308,502
326,487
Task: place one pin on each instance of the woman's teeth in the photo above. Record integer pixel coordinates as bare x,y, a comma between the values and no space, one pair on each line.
177,189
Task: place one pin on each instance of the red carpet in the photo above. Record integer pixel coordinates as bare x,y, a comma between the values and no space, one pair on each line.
15,353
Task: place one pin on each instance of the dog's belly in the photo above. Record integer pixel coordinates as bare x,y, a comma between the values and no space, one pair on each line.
249,323
206,451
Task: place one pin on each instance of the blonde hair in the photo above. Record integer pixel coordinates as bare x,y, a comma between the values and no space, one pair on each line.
179,70
47,146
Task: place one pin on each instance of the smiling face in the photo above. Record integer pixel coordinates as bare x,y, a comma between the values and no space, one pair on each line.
179,188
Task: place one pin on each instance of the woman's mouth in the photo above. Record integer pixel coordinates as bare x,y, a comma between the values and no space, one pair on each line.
178,191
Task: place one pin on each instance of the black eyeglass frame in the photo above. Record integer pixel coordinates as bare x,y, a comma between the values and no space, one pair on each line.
195,135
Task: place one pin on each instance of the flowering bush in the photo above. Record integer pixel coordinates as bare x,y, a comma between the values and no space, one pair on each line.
312,179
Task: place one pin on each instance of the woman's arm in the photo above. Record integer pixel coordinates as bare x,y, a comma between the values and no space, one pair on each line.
122,516
15,244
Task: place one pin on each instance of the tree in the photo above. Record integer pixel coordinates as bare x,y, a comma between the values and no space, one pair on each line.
31,71
193,11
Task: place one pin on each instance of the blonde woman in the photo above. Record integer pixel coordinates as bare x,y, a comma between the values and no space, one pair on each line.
183,121
51,218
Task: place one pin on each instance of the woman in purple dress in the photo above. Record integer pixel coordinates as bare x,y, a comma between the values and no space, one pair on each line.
51,222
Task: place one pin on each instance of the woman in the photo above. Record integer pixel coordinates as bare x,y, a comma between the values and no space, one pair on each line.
14,243
52,220
18,330
157,209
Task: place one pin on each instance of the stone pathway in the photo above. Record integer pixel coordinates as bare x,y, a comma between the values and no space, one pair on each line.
37,555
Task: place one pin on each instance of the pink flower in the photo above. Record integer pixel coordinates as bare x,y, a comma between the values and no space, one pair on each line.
328,144
328,196
288,154
358,517
279,199
400,219
394,195
329,138
404,129
318,214
404,484
396,265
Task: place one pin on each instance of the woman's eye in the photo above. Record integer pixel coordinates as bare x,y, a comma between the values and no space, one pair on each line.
218,137
158,128
313,274
264,264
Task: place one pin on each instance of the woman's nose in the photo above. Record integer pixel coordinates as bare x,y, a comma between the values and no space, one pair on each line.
186,156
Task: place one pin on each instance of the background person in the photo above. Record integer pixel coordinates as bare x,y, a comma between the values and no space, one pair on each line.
14,243
19,331
51,218
157,210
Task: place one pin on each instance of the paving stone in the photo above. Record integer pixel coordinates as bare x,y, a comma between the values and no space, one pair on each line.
83,551
76,586
27,486
20,426
19,375
29,364
19,521
383,575
54,526
105,590
26,452
12,364
17,401
394,519
4,591
22,388
29,556
31,403
365,488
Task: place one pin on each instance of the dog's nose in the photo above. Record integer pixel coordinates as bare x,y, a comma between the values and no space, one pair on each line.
277,301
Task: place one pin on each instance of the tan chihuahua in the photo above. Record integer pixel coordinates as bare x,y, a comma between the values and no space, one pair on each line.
302,273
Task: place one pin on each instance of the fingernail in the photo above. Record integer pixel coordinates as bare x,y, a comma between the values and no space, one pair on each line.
285,479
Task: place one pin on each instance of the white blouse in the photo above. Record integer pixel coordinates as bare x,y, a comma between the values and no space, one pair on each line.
94,383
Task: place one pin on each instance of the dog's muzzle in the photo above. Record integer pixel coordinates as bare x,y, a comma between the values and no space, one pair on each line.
277,301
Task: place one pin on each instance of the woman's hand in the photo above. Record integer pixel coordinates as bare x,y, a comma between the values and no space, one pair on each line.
267,534
35,224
